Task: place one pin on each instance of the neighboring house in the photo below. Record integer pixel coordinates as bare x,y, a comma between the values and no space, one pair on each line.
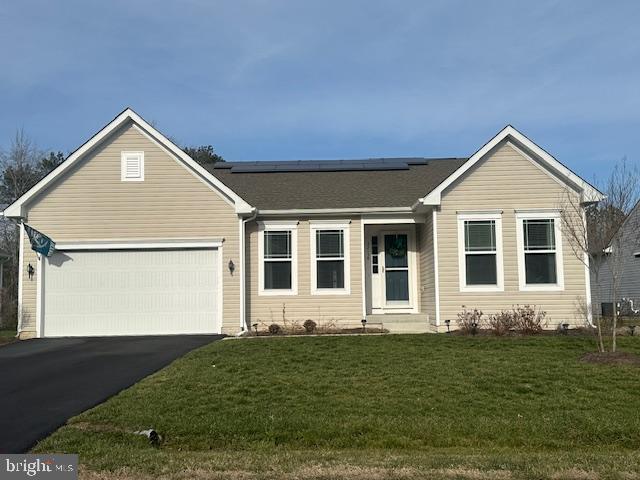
629,269
150,242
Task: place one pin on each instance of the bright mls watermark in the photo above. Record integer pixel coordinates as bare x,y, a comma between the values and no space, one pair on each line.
28,466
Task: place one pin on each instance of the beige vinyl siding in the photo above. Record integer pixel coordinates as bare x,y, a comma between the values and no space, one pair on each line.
91,203
504,180
426,274
322,309
29,288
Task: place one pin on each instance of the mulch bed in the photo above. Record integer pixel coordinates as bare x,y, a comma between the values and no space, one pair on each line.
486,332
609,358
341,331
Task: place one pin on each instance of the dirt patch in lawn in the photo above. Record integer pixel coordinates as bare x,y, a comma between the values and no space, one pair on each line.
317,472
611,358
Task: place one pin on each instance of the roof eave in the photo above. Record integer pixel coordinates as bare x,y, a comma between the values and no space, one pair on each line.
337,211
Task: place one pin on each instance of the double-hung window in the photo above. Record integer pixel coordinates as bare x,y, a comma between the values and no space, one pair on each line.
329,258
540,252
480,249
278,259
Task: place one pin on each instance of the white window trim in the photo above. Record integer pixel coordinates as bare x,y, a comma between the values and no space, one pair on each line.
313,228
278,226
123,166
462,270
540,215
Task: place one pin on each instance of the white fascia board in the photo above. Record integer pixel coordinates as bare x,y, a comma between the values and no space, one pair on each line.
589,193
331,211
241,205
16,210
434,198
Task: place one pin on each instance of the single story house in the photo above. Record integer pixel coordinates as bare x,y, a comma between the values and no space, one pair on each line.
150,242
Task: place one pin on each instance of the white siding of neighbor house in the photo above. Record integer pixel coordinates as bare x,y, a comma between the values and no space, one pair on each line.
92,203
505,180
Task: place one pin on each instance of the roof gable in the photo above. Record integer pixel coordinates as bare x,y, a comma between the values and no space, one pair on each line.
16,209
529,149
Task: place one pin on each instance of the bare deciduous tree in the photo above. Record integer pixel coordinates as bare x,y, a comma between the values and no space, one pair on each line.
596,236
20,167
23,164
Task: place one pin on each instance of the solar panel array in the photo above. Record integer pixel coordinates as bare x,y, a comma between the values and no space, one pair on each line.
322,165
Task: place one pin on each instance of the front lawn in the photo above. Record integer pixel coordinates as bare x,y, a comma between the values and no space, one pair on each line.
365,407
7,336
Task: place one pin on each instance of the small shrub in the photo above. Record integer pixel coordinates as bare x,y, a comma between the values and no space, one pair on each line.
501,323
328,326
275,329
469,321
527,320
309,326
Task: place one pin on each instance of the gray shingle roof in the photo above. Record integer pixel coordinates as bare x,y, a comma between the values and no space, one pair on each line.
390,182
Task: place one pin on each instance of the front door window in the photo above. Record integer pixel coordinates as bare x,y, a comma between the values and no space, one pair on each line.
396,268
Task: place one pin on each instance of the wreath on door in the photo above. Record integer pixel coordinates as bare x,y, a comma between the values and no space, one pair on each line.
398,246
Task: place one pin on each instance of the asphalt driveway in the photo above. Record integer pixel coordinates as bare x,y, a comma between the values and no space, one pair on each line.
44,382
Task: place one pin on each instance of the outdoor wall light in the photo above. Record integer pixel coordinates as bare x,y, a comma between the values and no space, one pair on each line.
448,324
232,266
30,271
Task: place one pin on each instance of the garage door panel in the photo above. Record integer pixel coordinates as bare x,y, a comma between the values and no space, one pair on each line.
131,293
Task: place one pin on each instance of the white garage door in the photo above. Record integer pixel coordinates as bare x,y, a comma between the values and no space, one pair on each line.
133,292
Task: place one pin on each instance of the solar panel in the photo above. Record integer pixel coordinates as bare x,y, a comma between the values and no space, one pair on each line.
324,165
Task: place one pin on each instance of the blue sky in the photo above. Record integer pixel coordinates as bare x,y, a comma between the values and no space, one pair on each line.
329,79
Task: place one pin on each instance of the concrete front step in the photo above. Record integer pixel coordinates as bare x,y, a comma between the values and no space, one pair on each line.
402,323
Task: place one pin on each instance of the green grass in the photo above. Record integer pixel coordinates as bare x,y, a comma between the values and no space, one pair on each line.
7,336
372,406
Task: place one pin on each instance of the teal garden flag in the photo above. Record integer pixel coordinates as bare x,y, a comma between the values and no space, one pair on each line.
40,242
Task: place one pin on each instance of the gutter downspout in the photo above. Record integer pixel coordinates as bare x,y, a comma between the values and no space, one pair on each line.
243,303
19,222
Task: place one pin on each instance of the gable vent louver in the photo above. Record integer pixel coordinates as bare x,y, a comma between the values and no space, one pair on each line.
132,166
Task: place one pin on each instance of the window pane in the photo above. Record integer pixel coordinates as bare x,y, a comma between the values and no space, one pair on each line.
277,244
539,235
395,251
329,243
330,274
481,269
277,275
397,285
540,267
607,309
480,235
